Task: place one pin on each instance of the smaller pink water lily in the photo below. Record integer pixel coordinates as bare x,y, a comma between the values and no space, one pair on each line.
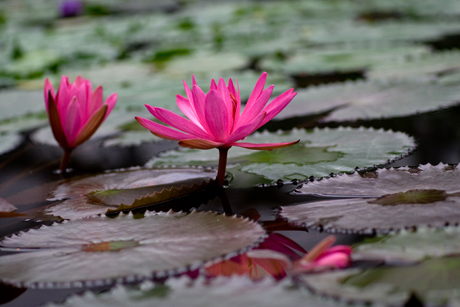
75,112
214,119
323,257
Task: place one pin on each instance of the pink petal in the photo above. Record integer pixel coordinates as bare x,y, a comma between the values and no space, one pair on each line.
216,115
162,131
267,146
198,104
63,97
177,122
185,106
335,260
110,102
73,120
48,87
96,100
257,90
213,85
223,90
199,144
280,239
245,130
277,105
250,112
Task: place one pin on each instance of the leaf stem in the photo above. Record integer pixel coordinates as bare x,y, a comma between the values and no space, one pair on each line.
222,165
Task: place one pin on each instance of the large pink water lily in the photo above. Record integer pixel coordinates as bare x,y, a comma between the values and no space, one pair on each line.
75,112
215,119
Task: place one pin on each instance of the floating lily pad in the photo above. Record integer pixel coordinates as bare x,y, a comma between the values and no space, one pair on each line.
234,291
397,198
97,194
428,67
310,61
8,142
371,100
6,206
19,103
411,246
319,153
434,282
99,250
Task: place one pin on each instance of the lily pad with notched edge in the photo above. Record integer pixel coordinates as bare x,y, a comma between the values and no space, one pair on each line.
97,194
434,282
234,291
397,198
319,153
411,246
371,100
101,250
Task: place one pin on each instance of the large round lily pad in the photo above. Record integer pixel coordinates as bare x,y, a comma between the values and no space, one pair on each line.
371,100
319,153
100,250
234,291
434,282
411,246
96,194
396,198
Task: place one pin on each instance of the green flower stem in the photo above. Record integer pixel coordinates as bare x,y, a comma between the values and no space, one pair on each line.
65,160
222,165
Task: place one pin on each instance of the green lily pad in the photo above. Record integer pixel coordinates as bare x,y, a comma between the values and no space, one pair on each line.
434,282
96,194
100,250
371,100
234,291
310,61
428,67
9,141
396,198
319,153
411,246
20,102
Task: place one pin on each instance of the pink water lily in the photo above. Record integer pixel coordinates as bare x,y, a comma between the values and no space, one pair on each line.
75,112
323,257
215,119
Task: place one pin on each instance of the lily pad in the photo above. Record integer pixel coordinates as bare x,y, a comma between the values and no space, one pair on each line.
8,142
396,198
310,61
6,206
101,250
20,102
434,282
371,100
319,153
428,68
97,194
411,246
234,291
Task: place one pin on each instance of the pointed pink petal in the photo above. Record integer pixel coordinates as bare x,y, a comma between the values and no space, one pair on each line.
110,102
199,98
257,90
73,120
277,105
223,90
177,122
236,94
63,97
96,100
199,144
216,115
267,146
245,130
213,85
280,239
163,131
47,88
250,112
185,106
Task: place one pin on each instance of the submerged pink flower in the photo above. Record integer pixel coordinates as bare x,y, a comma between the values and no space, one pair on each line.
215,119
323,257
75,112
